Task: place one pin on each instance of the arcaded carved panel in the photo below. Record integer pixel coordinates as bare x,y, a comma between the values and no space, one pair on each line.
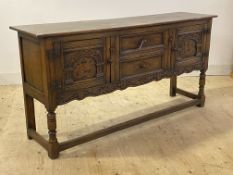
189,45
83,64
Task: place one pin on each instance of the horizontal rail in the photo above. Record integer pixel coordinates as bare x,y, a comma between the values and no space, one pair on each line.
103,132
38,138
186,93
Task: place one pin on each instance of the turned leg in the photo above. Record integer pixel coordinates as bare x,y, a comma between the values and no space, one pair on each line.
29,113
53,150
201,93
173,84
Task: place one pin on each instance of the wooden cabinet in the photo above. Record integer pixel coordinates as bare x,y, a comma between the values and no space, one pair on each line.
68,61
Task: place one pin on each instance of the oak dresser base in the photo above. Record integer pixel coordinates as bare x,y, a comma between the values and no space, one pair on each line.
54,148
70,61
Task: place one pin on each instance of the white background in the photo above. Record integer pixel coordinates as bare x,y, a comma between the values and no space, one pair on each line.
20,12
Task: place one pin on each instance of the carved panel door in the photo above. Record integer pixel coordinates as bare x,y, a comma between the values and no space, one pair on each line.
189,50
85,63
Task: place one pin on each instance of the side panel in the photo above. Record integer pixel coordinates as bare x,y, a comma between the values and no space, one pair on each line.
31,60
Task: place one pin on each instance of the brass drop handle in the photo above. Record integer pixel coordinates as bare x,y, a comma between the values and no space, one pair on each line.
142,65
175,49
142,43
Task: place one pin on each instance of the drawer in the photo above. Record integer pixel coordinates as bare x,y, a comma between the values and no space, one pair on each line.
141,66
142,53
142,41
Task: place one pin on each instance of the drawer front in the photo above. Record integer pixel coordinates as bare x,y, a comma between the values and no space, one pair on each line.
143,53
84,63
190,45
140,42
141,65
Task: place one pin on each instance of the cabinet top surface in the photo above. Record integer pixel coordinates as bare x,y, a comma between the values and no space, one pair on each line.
54,29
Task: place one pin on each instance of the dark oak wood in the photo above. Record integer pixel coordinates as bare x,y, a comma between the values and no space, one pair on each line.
126,124
29,113
68,61
38,138
173,86
54,29
185,93
201,94
53,145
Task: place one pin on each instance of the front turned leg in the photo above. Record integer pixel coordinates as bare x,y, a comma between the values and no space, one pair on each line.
201,93
173,86
53,149
29,113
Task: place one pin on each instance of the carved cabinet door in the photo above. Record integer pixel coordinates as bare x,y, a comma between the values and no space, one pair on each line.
85,63
189,49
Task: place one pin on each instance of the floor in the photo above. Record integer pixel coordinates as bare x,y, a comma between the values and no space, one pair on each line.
197,141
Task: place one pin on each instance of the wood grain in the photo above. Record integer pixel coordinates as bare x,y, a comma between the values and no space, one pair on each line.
45,30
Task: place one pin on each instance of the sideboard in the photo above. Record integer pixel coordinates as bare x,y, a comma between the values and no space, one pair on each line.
61,62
